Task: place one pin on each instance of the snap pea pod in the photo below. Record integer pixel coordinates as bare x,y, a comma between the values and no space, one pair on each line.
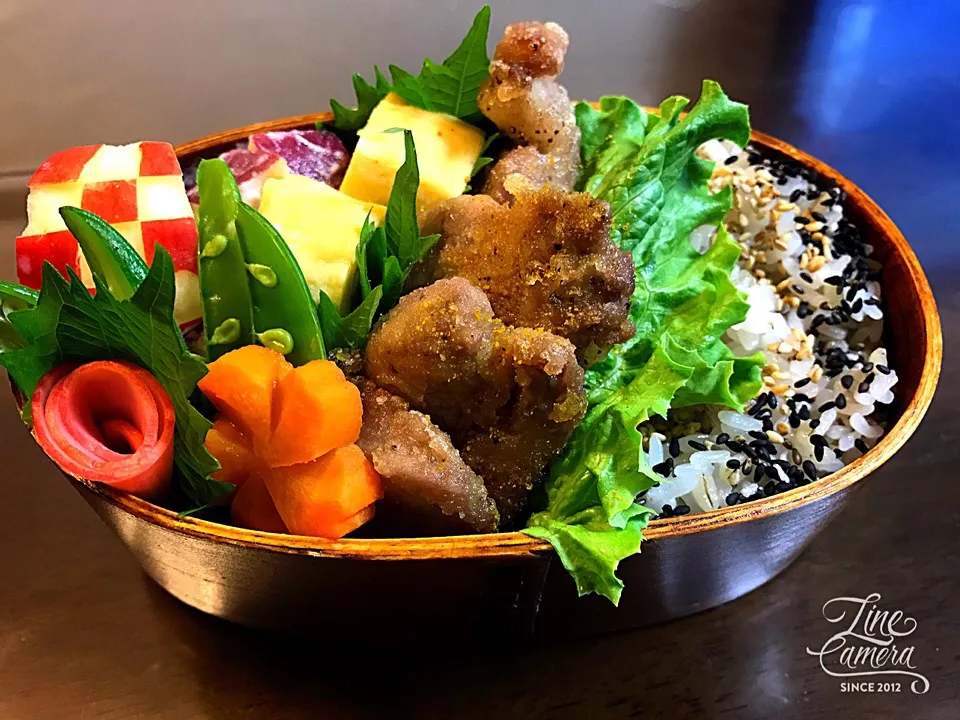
224,290
110,257
284,312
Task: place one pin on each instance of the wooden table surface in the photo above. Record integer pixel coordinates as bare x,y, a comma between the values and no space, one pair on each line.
84,634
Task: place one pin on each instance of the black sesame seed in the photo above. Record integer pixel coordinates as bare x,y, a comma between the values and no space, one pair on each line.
818,440
772,401
664,468
819,217
836,280
809,469
861,445
883,369
827,406
734,498
730,160
723,439
857,306
757,434
796,195
818,453
814,424
812,194
863,388
806,277
841,401
696,445
772,472
802,382
681,510
733,464
867,367
794,421
675,447
847,381
797,289
666,511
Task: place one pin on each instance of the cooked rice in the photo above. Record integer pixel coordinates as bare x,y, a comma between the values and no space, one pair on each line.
815,314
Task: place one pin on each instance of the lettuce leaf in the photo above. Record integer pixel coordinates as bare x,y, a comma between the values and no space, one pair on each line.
645,166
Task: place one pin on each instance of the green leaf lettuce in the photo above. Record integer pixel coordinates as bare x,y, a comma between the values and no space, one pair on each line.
645,166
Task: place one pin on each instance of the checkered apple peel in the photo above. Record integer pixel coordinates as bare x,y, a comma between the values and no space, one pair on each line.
136,188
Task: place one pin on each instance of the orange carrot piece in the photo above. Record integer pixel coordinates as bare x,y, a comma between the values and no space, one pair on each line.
318,411
253,508
347,526
232,449
242,383
316,498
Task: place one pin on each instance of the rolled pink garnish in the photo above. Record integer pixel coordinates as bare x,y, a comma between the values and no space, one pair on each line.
108,421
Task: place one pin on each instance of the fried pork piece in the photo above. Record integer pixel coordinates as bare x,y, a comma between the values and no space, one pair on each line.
433,349
547,401
508,397
428,488
546,262
523,98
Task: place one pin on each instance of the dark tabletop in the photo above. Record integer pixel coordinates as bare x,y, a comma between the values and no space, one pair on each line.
870,87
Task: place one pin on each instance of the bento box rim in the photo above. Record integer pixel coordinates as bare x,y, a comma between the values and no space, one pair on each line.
517,543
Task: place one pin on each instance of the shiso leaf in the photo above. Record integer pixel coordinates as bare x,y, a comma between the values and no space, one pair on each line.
385,256
69,324
347,121
645,166
350,331
451,87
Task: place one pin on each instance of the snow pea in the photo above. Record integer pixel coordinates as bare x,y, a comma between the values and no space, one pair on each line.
224,290
284,312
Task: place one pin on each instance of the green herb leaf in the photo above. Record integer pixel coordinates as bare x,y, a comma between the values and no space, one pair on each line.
401,224
486,157
348,120
452,86
646,168
13,298
68,324
387,253
371,255
350,331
